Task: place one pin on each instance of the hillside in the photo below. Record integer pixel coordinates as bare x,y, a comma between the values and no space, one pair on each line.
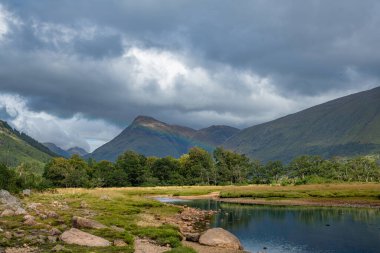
342,127
54,148
16,148
151,137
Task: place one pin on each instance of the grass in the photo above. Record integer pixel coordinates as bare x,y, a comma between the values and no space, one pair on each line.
163,235
338,191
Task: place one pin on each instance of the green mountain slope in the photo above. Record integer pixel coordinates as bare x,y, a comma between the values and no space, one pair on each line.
342,127
16,148
151,137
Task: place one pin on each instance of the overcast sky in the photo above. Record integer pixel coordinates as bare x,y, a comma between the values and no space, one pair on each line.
77,72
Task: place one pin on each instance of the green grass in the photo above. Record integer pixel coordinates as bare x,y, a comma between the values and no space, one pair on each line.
337,191
163,235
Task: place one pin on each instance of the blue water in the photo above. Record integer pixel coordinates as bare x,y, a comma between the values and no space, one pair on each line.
274,229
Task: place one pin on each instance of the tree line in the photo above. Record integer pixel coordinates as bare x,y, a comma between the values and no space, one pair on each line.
197,167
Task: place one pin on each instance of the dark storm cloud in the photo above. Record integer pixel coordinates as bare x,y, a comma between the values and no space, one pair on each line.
233,62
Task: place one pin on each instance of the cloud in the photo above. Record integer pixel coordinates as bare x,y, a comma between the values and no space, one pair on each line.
185,62
66,133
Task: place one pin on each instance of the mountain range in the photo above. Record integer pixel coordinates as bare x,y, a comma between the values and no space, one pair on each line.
345,126
65,153
152,137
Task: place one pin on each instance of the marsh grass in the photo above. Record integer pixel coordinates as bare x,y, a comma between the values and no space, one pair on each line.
337,191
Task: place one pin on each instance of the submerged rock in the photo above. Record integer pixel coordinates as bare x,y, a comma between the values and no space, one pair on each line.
78,237
218,237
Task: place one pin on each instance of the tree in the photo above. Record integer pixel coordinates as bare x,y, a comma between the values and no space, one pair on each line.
106,174
8,179
167,171
231,167
198,167
134,165
67,172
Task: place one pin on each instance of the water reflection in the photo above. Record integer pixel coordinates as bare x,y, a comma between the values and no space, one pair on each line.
298,229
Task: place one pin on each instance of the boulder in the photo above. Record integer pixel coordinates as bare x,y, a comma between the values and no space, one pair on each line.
20,211
191,236
7,212
7,199
26,192
218,237
78,237
119,243
79,222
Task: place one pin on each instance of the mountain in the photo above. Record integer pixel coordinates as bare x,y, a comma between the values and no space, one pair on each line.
151,137
65,153
59,151
76,151
17,148
342,127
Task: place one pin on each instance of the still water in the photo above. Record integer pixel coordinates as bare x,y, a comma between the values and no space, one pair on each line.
274,229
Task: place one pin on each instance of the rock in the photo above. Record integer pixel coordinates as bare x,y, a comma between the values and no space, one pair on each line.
8,235
119,243
55,231
79,222
78,237
83,204
7,199
105,197
28,217
27,192
192,237
58,248
52,239
34,206
218,237
29,220
117,229
52,214
20,211
7,212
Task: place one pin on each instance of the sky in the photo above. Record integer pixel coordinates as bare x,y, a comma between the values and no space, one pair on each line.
76,73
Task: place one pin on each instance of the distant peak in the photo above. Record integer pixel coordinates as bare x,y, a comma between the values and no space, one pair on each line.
144,120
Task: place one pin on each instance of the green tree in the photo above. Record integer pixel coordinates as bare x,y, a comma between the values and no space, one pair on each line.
231,167
106,174
198,167
134,165
67,172
8,179
167,171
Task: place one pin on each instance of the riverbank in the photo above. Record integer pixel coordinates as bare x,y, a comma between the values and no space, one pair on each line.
359,195
114,220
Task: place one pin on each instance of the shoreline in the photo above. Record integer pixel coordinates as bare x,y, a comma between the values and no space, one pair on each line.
320,202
